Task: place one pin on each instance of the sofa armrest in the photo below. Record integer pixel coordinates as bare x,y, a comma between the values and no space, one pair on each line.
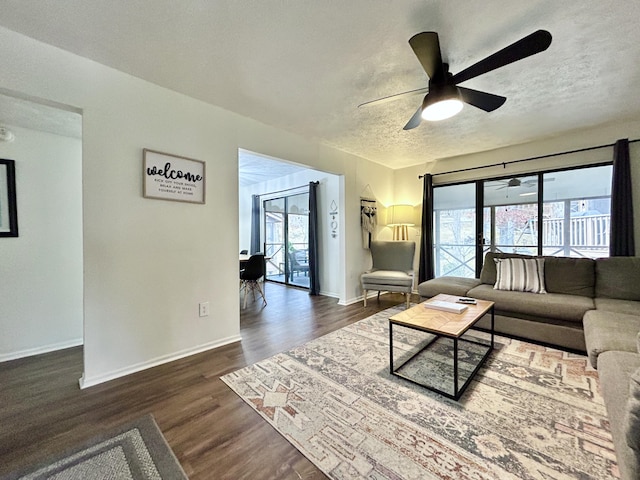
450,285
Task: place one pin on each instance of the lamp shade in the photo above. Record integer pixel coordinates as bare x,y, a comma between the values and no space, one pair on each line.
401,215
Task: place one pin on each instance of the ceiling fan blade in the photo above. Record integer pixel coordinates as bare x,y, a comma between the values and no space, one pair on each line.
415,120
530,45
426,46
482,100
394,97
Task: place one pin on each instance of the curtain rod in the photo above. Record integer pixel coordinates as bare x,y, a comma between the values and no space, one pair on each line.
539,157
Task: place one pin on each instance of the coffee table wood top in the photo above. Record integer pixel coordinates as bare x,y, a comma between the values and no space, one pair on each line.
439,322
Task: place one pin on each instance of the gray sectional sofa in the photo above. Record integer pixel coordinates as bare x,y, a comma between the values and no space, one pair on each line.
591,306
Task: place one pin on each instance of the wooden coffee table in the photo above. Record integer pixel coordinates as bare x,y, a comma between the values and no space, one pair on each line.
442,324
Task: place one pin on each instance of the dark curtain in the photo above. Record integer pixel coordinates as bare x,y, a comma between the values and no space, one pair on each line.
622,242
425,271
255,224
314,272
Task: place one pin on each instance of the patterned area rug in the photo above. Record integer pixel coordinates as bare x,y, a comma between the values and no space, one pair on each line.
530,413
136,451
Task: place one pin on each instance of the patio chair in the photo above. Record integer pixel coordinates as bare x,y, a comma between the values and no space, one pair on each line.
298,263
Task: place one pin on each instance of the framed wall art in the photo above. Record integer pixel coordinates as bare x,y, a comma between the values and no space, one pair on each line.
8,206
171,177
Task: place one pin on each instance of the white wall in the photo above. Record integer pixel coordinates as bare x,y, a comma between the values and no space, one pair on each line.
148,263
406,180
41,269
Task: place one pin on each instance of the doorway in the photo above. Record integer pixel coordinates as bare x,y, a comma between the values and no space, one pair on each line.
42,310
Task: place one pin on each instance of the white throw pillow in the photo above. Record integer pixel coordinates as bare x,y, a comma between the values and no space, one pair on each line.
520,274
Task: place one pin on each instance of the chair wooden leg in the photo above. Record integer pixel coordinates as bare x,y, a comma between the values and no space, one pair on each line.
261,291
244,300
408,295
365,298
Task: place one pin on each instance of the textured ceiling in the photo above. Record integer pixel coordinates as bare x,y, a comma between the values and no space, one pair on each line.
27,114
305,65
254,168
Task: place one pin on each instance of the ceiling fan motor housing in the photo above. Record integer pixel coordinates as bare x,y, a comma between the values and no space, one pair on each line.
440,91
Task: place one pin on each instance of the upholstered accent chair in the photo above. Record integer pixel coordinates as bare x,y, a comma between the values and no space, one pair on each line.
392,269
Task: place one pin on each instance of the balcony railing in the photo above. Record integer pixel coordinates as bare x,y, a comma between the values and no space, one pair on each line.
586,236
588,231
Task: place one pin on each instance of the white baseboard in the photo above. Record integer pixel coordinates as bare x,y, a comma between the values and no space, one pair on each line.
329,294
86,382
29,352
351,301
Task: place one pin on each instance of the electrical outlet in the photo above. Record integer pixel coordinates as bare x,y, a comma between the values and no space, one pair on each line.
204,309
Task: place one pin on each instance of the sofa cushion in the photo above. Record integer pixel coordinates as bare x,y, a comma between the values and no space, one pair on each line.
387,277
450,285
572,276
618,306
607,331
618,277
563,307
615,370
488,273
633,412
520,274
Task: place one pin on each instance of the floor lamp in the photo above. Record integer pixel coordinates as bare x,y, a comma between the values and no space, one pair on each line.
401,217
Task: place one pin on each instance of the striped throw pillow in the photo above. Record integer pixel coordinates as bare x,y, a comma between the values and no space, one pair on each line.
520,274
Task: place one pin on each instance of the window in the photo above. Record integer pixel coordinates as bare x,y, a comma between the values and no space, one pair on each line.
573,206
577,209
454,230
511,215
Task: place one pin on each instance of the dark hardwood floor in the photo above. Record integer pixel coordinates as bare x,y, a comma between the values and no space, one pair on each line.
214,434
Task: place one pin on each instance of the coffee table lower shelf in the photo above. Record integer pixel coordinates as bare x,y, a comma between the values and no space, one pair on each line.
457,389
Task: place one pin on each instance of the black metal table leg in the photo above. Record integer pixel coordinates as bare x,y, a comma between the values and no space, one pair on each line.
391,348
455,367
492,325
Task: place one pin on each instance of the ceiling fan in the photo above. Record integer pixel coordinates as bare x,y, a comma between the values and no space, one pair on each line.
445,97
516,182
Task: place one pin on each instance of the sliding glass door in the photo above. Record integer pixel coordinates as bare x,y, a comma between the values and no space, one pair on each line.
557,213
511,215
287,239
454,230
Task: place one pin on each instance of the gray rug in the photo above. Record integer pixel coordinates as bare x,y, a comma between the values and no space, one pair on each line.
530,413
136,451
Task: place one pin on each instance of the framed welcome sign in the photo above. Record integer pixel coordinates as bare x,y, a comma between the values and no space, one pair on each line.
8,208
171,177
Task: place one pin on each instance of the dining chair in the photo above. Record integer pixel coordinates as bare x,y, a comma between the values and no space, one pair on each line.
250,278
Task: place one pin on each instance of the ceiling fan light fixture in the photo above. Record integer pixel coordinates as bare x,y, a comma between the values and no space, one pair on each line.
441,103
